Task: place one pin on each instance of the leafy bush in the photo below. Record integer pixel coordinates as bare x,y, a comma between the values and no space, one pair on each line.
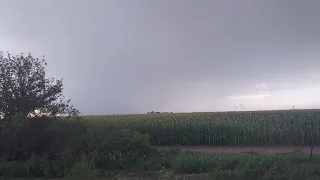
35,167
84,170
43,136
48,147
115,148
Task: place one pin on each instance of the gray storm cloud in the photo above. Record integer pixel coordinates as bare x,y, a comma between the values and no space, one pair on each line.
183,55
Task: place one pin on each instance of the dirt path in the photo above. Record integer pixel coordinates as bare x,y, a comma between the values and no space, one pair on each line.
245,150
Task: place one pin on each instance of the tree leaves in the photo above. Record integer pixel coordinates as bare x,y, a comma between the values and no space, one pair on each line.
24,88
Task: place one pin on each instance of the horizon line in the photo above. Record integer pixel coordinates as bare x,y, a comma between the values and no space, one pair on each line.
310,109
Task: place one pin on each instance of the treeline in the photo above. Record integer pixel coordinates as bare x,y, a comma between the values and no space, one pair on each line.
152,112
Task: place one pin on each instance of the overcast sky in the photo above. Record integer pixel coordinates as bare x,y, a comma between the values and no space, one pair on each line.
135,56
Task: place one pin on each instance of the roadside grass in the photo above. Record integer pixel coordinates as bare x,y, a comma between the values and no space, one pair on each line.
190,165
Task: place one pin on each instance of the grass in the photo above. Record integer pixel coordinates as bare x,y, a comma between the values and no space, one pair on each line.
187,165
206,166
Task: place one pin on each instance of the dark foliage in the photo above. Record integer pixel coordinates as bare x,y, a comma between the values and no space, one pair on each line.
53,145
43,136
24,88
115,148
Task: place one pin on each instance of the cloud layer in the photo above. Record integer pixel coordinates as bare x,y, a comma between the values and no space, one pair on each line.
183,55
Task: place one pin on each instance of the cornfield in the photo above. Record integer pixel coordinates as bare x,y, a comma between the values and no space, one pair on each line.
259,128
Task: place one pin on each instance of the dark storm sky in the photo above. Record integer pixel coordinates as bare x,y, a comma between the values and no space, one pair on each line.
134,56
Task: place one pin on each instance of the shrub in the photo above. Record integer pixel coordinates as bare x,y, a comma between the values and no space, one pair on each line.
43,136
84,170
48,147
115,148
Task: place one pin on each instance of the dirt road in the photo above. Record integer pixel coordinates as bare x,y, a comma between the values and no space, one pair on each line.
246,150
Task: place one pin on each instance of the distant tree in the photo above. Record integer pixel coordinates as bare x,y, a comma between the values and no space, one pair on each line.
25,89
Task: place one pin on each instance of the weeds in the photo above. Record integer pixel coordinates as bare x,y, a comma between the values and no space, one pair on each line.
84,170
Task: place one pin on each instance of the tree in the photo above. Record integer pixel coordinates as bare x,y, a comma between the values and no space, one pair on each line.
24,89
